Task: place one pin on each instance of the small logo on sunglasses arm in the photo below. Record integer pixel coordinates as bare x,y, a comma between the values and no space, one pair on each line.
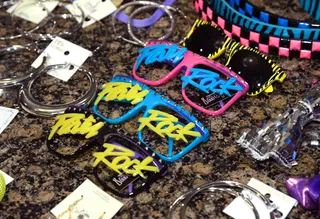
166,125
207,100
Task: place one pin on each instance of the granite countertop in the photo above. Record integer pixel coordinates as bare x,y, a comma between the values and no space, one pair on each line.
43,180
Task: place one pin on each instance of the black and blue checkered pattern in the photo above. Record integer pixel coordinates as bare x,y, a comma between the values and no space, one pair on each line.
208,13
256,13
226,11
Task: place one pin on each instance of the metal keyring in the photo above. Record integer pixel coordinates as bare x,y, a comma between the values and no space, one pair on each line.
145,3
47,36
139,10
14,81
226,186
34,107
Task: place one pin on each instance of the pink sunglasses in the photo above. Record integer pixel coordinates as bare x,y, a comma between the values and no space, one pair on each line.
207,85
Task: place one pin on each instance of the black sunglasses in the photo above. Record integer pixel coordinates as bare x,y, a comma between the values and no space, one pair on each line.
255,68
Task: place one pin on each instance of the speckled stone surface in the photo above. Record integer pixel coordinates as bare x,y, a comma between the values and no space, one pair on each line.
42,180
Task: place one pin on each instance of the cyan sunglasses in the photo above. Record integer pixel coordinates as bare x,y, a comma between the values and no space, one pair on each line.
163,122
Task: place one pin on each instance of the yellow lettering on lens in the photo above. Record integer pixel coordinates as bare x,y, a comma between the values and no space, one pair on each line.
165,126
122,91
122,161
76,123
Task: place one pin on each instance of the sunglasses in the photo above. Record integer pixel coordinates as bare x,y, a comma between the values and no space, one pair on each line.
206,85
125,167
131,167
75,127
161,122
256,68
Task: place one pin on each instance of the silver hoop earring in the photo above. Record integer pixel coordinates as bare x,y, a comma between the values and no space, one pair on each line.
34,107
15,81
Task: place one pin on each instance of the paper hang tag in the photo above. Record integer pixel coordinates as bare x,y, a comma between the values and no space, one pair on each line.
7,115
61,51
96,9
8,179
94,203
31,11
239,209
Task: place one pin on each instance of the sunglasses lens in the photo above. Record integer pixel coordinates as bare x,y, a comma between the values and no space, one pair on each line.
205,40
252,67
117,98
67,145
209,89
155,61
73,132
124,166
154,72
166,131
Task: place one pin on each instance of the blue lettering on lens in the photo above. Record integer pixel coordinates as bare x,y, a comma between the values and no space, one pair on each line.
160,53
209,82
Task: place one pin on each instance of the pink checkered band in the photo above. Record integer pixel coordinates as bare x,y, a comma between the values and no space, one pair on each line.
264,43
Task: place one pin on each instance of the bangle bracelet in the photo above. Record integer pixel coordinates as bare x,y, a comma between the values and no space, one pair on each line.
144,3
144,22
223,8
14,81
34,107
263,42
233,188
139,10
248,9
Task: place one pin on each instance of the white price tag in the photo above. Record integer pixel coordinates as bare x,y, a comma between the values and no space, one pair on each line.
97,9
33,11
7,115
8,179
61,51
89,201
239,209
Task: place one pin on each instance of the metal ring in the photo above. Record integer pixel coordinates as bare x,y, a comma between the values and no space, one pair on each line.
139,10
34,107
145,3
226,186
14,81
47,36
